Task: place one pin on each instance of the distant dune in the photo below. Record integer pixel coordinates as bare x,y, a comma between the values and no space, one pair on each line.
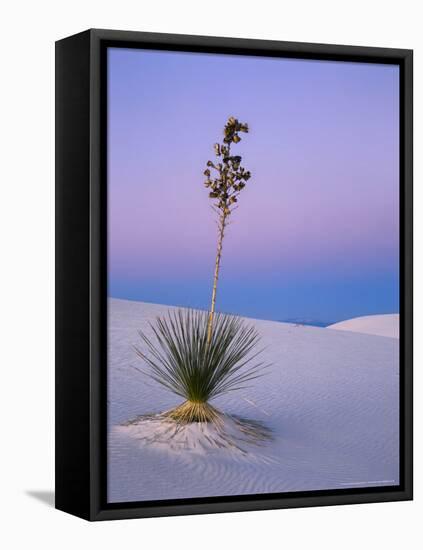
330,399
379,325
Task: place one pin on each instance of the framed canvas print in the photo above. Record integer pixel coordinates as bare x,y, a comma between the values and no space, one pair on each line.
234,274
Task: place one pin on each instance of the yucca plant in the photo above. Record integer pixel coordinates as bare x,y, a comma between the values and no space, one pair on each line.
200,355
183,360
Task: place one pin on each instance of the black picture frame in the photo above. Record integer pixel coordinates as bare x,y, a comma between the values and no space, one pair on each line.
81,248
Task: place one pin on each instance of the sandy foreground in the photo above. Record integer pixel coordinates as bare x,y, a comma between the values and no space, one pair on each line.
329,400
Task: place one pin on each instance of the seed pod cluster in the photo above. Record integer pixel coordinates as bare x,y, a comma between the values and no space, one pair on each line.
226,178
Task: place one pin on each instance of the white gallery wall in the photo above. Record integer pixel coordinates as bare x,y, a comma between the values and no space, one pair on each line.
28,32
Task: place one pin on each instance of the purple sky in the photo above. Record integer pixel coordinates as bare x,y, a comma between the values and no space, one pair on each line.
316,232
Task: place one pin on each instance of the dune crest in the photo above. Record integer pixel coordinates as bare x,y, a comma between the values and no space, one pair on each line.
378,325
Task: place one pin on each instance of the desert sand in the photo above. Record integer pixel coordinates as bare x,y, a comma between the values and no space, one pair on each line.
329,400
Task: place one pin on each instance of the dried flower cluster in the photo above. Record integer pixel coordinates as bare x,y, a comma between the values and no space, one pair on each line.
229,177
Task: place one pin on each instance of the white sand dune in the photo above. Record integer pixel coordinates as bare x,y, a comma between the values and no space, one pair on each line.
330,399
380,325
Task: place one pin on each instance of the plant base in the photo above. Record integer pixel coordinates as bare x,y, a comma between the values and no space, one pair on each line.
191,411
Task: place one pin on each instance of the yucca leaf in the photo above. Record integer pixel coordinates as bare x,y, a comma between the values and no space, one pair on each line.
179,357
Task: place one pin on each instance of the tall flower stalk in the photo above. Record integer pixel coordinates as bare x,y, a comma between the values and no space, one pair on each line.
226,178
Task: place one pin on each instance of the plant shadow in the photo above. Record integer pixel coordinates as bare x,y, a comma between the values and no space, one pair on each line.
228,432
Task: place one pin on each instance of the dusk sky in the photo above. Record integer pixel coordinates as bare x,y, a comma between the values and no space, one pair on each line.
315,236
